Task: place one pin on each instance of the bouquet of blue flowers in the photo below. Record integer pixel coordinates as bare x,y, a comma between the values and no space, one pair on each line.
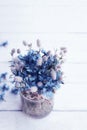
37,75
38,71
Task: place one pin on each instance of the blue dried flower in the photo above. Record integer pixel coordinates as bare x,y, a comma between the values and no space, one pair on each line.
15,91
2,96
44,52
3,75
48,94
4,44
5,87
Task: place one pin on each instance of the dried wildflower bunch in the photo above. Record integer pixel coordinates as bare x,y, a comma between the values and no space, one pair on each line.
38,71
3,85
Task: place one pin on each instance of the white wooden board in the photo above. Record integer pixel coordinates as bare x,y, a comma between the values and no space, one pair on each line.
57,23
56,120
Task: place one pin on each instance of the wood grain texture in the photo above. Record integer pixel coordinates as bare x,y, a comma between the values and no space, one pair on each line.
43,16
56,120
57,23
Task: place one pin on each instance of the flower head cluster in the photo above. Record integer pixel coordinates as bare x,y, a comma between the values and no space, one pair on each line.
38,70
3,85
4,44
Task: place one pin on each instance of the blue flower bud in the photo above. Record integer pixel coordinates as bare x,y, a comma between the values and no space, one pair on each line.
14,91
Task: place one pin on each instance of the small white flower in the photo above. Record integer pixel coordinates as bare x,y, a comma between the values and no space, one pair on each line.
57,67
39,61
49,53
56,56
16,60
17,66
33,89
24,43
17,85
18,51
45,58
38,43
53,74
40,84
63,49
30,45
13,68
29,75
18,79
22,85
21,64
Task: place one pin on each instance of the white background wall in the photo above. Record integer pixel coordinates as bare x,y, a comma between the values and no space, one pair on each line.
57,23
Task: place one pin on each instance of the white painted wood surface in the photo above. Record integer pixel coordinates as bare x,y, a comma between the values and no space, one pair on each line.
57,23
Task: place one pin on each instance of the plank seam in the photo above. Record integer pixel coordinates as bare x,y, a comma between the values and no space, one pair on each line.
55,110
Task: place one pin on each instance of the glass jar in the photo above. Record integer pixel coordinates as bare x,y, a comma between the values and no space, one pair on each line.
36,108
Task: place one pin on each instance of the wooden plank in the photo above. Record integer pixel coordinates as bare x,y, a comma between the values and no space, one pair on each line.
75,73
43,18
44,3
71,97
57,120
